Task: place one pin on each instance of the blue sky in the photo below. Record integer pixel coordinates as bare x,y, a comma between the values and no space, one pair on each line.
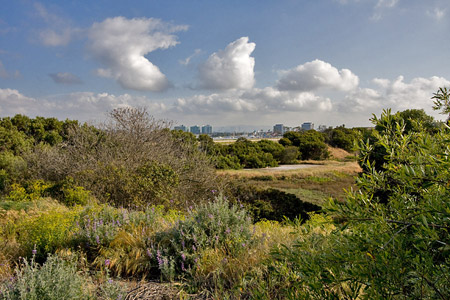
224,63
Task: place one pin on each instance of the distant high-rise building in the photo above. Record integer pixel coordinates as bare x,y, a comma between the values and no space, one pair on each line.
207,129
181,127
307,126
278,128
195,129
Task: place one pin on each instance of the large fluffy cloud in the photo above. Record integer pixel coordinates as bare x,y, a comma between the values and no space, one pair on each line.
82,106
231,68
13,102
316,75
396,94
262,101
121,44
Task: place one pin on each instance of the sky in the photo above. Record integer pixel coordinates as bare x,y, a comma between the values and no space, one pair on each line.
240,64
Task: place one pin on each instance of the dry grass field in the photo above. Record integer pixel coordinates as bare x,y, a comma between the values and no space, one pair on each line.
314,182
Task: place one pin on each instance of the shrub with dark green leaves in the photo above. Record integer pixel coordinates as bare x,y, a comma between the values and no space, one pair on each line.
311,144
341,137
246,154
227,162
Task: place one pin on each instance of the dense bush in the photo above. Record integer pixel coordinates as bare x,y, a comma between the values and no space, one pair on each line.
341,137
227,162
247,154
47,232
250,155
311,144
132,160
290,155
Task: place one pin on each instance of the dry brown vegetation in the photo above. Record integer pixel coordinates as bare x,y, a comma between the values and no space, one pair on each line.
315,183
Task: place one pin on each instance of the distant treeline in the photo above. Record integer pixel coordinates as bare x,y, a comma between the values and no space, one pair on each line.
135,157
292,148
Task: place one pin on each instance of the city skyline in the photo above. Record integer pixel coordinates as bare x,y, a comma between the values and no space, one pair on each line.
245,63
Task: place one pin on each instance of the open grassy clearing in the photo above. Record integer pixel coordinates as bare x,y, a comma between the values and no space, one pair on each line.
314,184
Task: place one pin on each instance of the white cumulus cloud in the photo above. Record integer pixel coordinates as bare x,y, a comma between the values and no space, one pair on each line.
260,101
317,75
88,105
231,68
213,104
83,106
395,94
121,44
12,102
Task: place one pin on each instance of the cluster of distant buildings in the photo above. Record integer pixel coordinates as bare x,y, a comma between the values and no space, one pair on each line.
205,129
278,130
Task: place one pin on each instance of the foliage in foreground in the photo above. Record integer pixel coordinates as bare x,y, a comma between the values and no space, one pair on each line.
391,239
58,278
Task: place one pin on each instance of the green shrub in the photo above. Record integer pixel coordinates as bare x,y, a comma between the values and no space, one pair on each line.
12,169
311,144
28,191
341,137
290,155
18,193
244,153
76,196
227,162
68,193
56,279
213,225
97,226
47,232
